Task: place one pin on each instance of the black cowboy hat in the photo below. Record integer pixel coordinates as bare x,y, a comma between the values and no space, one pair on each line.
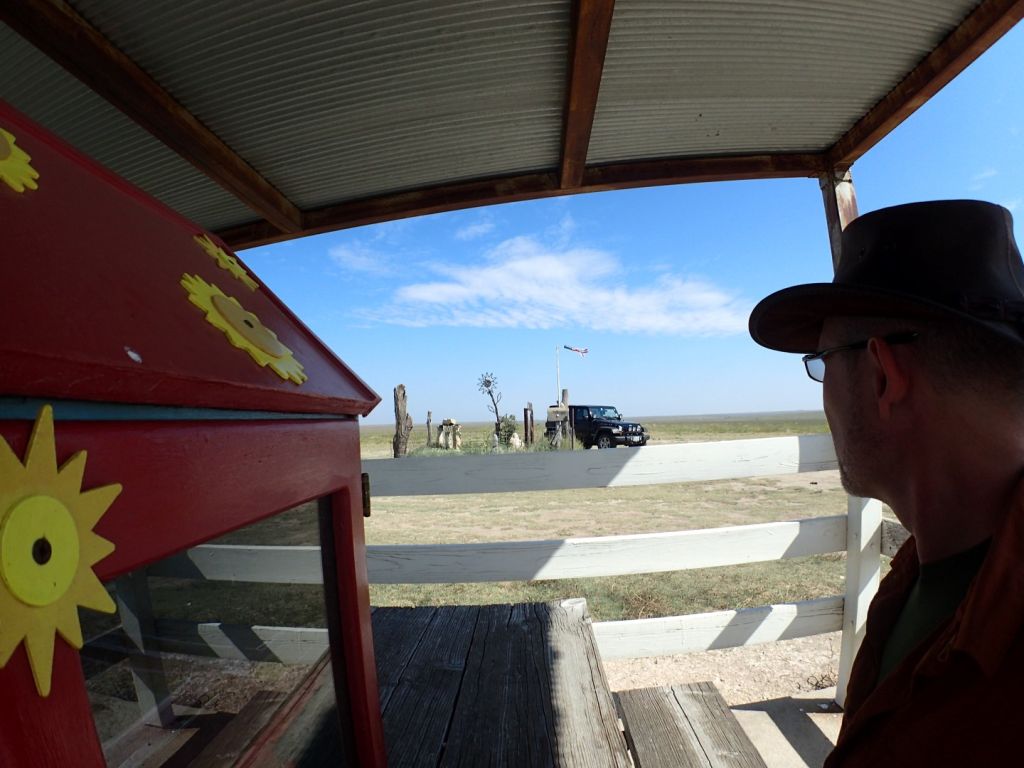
947,258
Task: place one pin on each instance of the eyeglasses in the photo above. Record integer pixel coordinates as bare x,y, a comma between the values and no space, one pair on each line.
815,363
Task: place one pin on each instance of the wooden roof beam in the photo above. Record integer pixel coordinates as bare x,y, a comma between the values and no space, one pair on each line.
692,170
592,22
507,189
976,34
61,33
401,205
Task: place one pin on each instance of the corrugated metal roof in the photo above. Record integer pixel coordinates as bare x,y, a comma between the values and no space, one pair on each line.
41,89
331,102
744,76
398,95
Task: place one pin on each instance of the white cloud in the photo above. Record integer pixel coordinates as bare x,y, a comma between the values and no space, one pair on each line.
357,257
475,230
524,284
391,232
978,179
561,233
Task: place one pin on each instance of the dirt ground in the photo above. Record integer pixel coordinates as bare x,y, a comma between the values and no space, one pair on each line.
742,675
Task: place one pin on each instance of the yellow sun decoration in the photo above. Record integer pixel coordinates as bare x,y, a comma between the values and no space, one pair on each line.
15,170
48,549
243,329
226,261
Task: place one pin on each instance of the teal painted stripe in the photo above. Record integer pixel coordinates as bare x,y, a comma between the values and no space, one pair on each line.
81,410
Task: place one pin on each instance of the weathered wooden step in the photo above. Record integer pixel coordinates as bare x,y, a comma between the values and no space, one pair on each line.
684,726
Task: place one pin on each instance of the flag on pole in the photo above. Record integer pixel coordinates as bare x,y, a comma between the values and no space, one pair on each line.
580,352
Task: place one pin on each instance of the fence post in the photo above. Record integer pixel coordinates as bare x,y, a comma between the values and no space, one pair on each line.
863,567
136,612
840,200
570,425
403,424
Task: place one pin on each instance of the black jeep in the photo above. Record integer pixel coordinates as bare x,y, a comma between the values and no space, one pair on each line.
602,425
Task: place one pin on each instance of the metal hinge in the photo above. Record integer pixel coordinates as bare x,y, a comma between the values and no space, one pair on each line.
366,494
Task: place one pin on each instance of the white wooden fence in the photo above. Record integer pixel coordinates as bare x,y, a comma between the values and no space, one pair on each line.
859,533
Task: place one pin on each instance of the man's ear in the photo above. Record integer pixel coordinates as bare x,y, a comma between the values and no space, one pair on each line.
891,377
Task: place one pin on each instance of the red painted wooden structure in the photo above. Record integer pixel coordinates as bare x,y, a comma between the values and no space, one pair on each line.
95,320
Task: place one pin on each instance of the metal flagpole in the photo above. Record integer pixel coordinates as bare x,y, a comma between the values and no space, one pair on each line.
558,378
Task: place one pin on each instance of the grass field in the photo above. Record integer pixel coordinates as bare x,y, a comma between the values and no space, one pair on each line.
554,515
375,439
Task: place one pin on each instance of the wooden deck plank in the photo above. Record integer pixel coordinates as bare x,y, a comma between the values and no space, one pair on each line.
586,718
499,673
397,632
657,731
540,697
685,725
419,710
534,693
716,726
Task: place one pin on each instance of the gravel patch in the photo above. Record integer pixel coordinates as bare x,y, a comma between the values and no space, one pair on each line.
743,675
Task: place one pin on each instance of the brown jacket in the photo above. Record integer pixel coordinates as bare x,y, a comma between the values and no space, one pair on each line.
958,698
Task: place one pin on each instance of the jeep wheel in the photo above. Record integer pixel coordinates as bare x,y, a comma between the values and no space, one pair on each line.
604,440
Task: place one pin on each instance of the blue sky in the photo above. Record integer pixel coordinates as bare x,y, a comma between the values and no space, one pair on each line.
657,283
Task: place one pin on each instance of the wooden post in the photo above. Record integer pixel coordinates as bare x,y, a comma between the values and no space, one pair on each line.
569,423
429,415
863,567
864,516
840,199
136,611
403,423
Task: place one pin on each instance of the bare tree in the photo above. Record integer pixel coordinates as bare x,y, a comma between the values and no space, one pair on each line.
488,385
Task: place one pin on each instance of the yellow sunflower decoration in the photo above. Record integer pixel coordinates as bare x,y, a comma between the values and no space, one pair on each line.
226,261
15,170
48,549
243,329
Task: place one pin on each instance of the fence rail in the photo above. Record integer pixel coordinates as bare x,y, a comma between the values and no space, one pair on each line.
522,560
720,629
562,470
615,639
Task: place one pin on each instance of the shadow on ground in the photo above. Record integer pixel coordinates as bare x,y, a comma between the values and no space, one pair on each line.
793,731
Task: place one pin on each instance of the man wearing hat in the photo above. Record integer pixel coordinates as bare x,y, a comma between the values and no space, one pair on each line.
919,345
